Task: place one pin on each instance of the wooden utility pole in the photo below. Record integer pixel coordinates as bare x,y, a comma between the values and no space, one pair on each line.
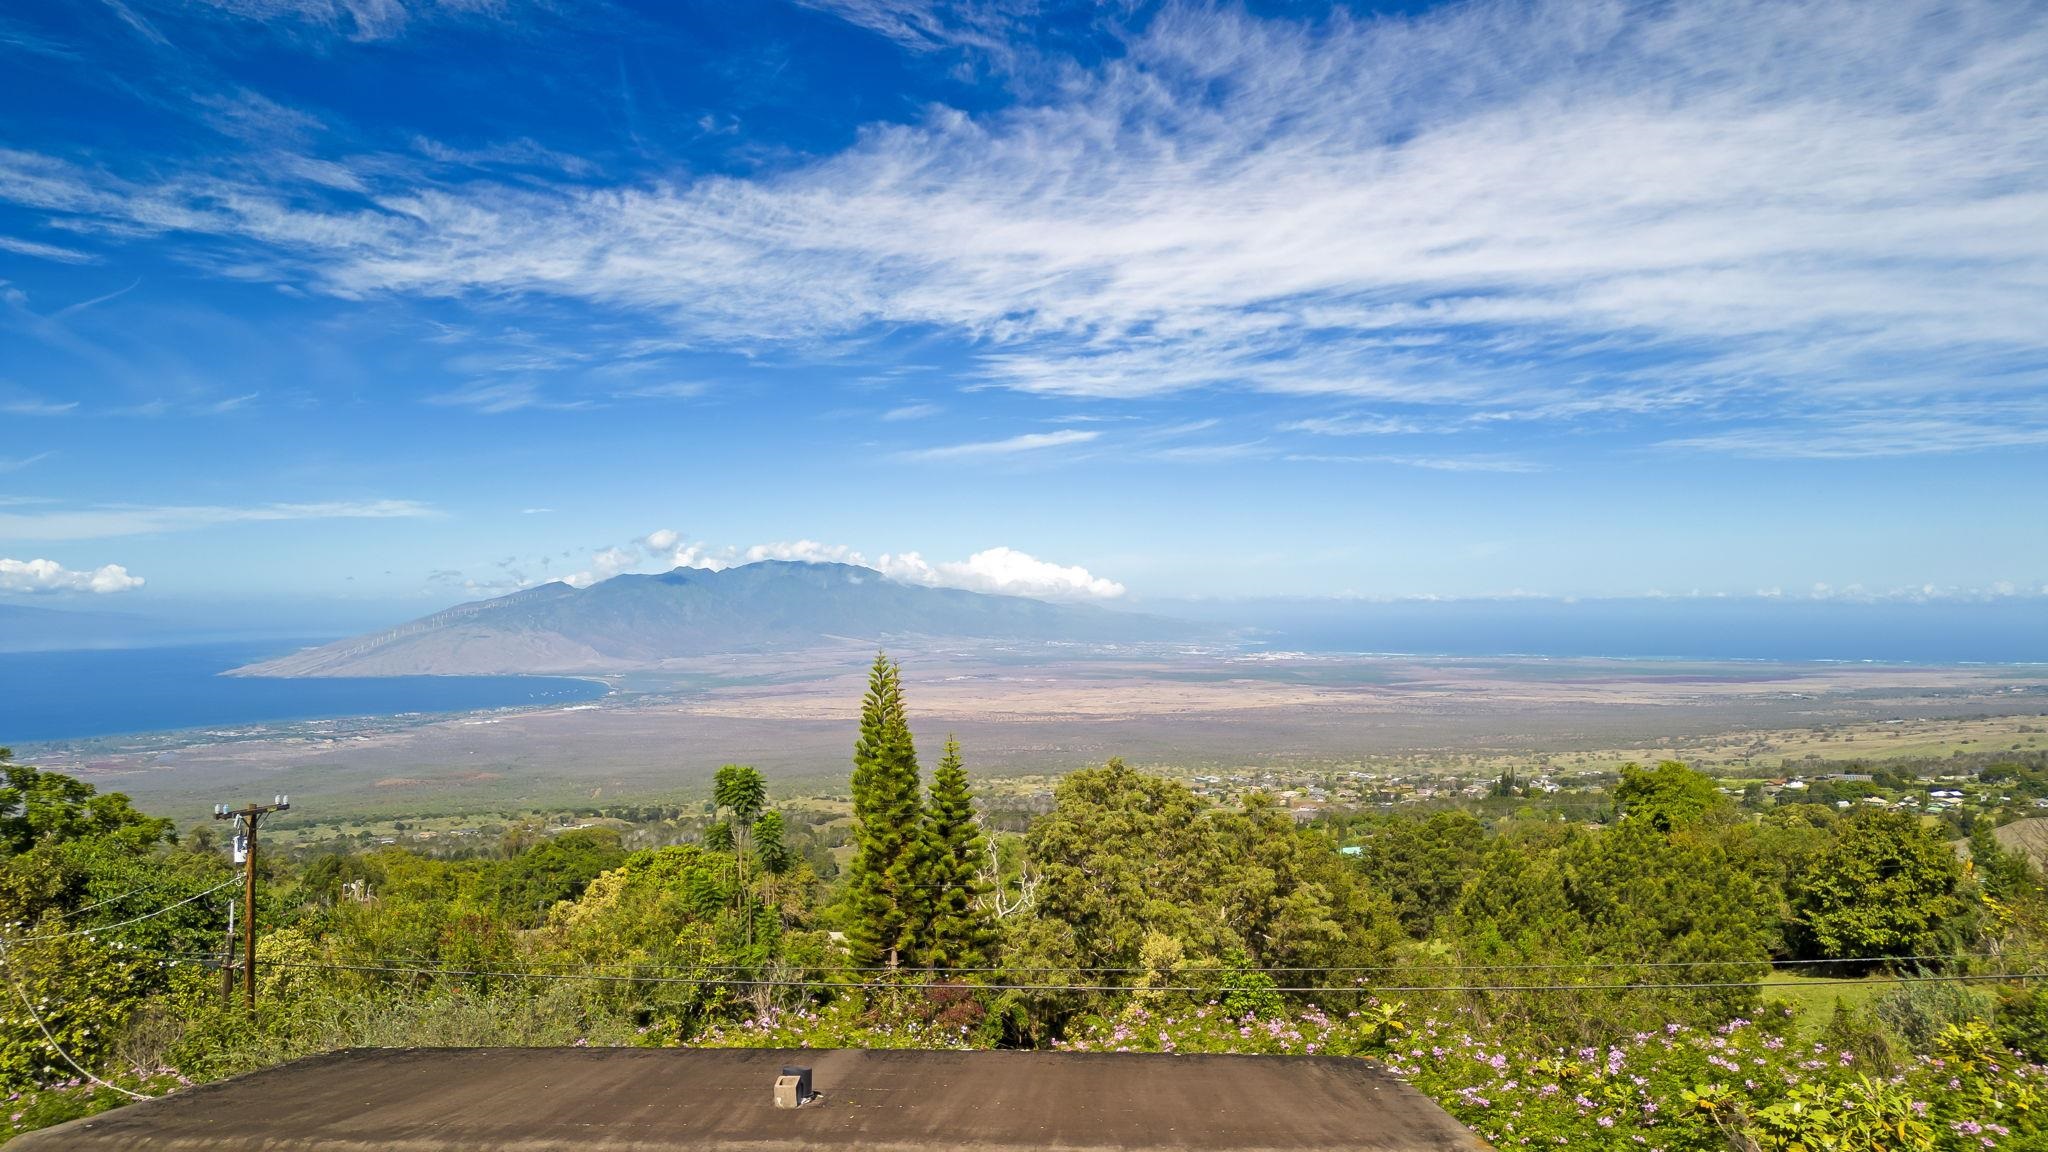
227,959
246,820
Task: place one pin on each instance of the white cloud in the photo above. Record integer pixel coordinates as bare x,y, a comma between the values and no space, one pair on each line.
1002,570
805,551
912,412
50,576
699,556
1029,442
604,566
105,520
1798,208
1006,571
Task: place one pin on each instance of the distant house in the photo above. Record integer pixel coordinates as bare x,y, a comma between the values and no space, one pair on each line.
1352,850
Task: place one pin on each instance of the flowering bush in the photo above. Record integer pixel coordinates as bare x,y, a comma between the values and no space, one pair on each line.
1675,1089
54,1103
847,1022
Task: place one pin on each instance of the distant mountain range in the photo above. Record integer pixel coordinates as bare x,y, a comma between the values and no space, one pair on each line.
26,629
638,621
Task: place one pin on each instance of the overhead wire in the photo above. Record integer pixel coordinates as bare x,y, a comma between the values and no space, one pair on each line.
98,928
7,964
1085,970
911,985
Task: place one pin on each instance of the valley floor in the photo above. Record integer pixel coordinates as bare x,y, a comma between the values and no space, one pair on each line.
661,735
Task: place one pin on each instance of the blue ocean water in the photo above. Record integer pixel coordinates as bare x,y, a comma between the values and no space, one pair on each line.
2013,630
69,695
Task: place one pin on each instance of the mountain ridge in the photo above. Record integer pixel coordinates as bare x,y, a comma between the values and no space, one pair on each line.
639,620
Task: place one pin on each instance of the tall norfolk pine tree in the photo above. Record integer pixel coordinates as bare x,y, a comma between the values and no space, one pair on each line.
888,921
960,935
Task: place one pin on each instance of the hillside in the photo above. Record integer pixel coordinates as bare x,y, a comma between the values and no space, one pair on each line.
636,621
2028,837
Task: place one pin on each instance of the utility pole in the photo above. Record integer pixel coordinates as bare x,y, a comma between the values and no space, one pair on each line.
246,820
227,959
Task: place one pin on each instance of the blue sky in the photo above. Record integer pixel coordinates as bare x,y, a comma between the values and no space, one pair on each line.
399,303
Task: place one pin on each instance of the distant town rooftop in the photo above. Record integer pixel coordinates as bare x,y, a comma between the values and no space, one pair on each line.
655,1100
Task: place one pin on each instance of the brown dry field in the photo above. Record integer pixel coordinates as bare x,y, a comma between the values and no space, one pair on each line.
664,734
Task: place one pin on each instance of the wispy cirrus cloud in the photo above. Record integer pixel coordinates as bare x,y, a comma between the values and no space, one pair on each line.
1431,463
17,463
355,19
55,252
1543,207
1029,442
497,398
36,406
924,25
101,521
1354,425
1862,434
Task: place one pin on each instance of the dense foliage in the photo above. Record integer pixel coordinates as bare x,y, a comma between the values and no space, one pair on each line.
1627,982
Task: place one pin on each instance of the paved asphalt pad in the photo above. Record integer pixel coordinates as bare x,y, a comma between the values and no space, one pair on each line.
665,1099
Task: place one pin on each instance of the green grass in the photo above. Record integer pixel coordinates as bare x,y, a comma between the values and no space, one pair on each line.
1813,997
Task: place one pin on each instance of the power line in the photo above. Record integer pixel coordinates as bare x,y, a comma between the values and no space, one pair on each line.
1370,989
99,903
7,962
131,920
1585,966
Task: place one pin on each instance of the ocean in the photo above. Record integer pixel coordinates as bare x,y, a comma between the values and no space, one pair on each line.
107,692
2012,630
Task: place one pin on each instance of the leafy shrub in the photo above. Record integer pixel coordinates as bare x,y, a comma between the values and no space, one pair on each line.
1917,1012
2022,1021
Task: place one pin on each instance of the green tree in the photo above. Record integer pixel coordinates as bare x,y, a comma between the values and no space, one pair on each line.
527,885
37,807
887,915
1886,887
1126,857
769,846
1668,796
2002,874
1616,898
739,792
961,935
1422,865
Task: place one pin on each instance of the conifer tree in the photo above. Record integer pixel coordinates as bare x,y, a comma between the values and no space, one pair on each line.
887,921
960,935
